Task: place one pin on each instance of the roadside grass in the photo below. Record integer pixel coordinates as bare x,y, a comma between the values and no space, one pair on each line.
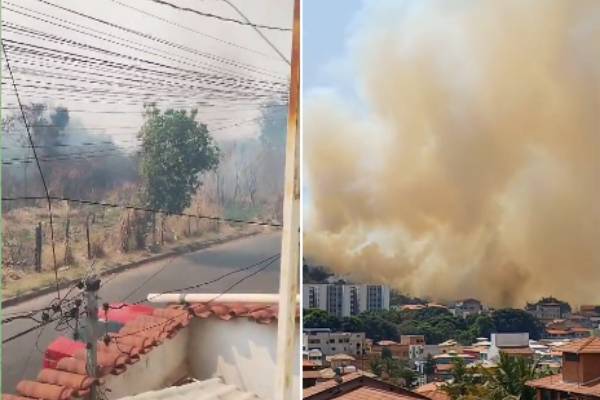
112,242
46,278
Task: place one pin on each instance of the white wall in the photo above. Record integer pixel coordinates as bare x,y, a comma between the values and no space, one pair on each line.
241,352
161,367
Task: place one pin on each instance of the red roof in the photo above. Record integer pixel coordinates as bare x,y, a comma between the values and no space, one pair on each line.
590,345
369,393
68,378
357,386
555,382
433,391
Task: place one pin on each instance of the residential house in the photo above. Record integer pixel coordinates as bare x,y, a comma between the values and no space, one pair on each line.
358,386
444,363
580,377
433,391
466,307
513,344
330,343
398,350
340,361
548,309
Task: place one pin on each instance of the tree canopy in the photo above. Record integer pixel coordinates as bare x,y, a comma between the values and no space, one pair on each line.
436,324
176,149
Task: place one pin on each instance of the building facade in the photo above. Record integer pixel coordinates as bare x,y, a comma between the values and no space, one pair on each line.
346,300
330,343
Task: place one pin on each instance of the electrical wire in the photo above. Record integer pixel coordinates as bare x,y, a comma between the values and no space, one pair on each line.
145,209
204,14
6,58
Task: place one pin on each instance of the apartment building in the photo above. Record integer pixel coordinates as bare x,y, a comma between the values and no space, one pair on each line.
330,343
346,300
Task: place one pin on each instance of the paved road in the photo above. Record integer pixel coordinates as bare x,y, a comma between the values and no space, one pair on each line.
20,357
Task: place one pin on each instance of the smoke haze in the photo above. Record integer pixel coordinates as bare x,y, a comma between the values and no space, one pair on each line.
472,166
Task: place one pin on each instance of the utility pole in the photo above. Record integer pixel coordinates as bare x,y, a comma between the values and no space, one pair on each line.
92,285
288,332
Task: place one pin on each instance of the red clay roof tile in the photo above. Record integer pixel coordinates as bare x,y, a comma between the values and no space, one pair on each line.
139,335
44,391
589,346
555,382
369,393
62,378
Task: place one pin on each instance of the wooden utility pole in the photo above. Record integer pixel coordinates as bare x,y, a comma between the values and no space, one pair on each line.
38,247
288,333
92,285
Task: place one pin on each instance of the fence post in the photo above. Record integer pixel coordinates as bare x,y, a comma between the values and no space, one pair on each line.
153,229
87,236
189,226
162,230
38,247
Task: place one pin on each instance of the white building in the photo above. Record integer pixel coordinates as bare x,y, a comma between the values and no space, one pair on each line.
346,300
515,344
330,343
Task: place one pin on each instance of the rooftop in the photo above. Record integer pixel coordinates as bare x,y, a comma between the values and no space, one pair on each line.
555,382
142,337
433,391
358,386
590,345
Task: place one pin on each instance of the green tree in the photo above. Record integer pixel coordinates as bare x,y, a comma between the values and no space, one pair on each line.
176,149
509,379
513,320
396,371
484,326
463,382
352,324
315,318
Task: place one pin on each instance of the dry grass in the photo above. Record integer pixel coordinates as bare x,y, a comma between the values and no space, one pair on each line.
113,241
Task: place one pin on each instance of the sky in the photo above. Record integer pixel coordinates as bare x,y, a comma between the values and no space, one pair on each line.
215,39
326,26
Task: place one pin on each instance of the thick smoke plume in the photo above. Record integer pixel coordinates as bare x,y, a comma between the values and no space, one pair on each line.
472,167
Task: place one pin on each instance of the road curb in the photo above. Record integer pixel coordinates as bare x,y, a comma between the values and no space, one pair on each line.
183,249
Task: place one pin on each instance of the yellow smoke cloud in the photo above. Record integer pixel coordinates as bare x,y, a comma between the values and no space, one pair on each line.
474,167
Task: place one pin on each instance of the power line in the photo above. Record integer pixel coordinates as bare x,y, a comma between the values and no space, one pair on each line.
204,14
228,289
209,282
26,31
6,57
125,29
145,209
190,29
38,50
266,39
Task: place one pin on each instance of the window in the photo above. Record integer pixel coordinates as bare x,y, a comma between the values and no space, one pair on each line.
571,357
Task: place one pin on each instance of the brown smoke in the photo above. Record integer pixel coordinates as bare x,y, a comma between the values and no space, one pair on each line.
474,168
